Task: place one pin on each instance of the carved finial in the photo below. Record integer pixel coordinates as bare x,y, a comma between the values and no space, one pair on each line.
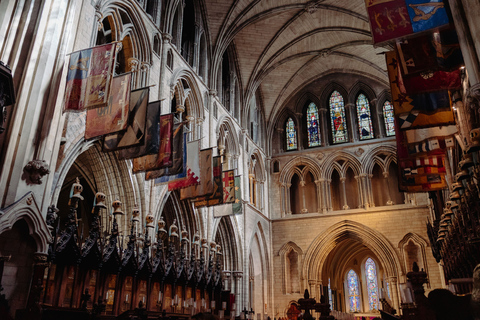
117,207
100,200
173,229
135,214
150,221
77,189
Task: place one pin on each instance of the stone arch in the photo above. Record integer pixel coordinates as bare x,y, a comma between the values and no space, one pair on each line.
135,28
27,209
226,231
284,253
226,131
279,140
372,157
193,97
319,249
359,87
333,161
289,168
417,241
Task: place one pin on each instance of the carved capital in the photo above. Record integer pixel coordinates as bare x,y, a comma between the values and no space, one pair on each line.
167,37
133,64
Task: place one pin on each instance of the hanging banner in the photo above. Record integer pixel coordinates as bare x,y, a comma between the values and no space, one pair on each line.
228,181
89,77
179,156
206,177
237,206
164,156
136,125
113,117
217,195
193,168
391,19
420,110
151,142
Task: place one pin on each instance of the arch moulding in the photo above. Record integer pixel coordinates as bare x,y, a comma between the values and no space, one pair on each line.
317,253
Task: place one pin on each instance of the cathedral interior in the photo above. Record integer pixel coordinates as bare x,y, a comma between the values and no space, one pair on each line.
294,100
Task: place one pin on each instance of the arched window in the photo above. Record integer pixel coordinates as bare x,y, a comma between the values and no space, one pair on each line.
372,285
337,116
312,126
353,291
388,116
291,135
364,118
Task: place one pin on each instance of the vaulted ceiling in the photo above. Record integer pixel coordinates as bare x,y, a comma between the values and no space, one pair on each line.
282,45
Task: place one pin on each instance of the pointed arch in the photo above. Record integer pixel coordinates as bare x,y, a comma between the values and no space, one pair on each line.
318,251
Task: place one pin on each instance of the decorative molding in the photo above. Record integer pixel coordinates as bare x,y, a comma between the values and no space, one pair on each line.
27,208
34,171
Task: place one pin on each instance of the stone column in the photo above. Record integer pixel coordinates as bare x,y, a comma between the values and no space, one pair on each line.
289,205
328,194
212,141
237,275
260,200
344,195
370,192
198,128
318,188
166,38
191,126
323,186
360,182
133,67
144,74
389,197
394,292
283,194
196,48
304,201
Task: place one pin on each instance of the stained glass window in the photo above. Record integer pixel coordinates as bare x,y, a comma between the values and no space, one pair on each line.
388,116
291,135
364,118
337,116
312,126
353,291
372,287
330,297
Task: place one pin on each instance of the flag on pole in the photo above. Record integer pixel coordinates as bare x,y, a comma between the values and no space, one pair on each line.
134,135
88,77
151,142
113,117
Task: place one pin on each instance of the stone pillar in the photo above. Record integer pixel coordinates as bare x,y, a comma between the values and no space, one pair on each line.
318,188
394,291
360,182
304,201
344,194
465,17
144,74
237,275
191,126
328,194
251,183
323,185
199,128
212,94
167,38
389,197
260,201
289,205
134,68
370,191
196,48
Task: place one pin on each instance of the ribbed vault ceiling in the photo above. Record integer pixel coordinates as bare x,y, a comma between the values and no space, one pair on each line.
282,45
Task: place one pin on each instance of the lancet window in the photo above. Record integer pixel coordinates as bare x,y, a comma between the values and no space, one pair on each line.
372,284
337,117
353,291
312,126
388,117
291,135
364,117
